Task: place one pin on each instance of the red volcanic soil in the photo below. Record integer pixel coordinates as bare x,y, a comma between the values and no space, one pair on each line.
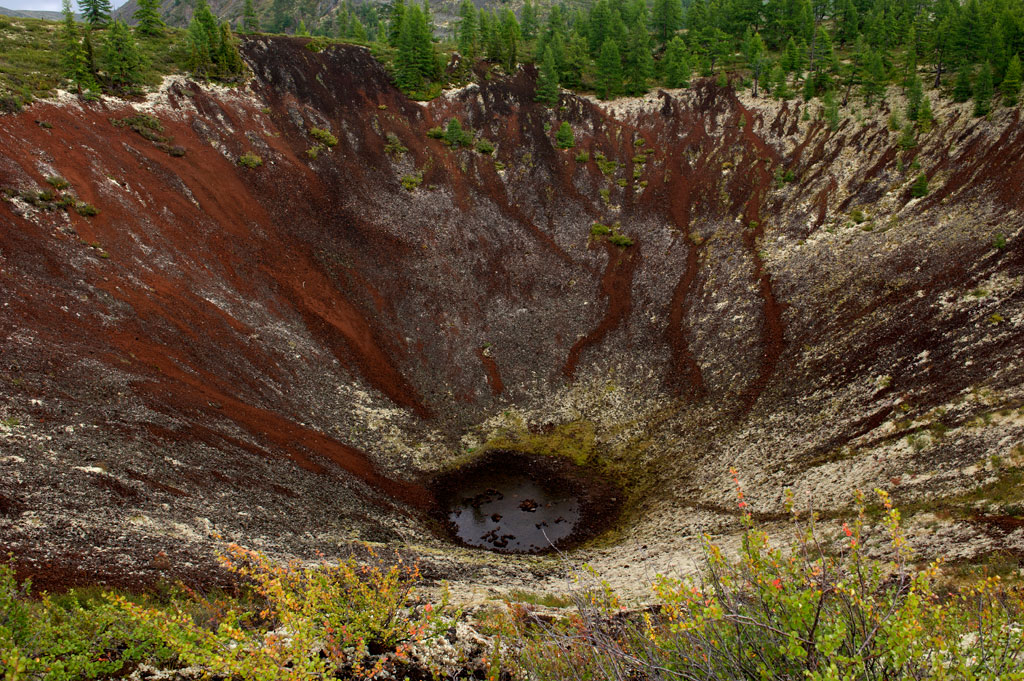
261,353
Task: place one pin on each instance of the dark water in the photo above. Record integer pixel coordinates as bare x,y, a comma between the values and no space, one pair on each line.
512,513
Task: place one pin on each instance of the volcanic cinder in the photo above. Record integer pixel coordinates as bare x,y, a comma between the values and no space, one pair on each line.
288,355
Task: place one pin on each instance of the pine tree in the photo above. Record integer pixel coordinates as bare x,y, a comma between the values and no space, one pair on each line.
962,90
925,117
395,22
547,79
564,137
302,30
914,96
791,60
667,17
199,49
122,60
148,18
983,91
830,110
455,136
528,20
95,12
229,60
468,35
609,70
510,35
75,63
407,72
250,22
780,84
639,64
357,31
577,59
676,65
874,78
281,16
1010,87
754,50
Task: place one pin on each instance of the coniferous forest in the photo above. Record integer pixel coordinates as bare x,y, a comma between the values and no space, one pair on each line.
836,50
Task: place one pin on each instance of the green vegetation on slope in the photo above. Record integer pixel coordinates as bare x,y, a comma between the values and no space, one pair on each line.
818,608
37,57
783,48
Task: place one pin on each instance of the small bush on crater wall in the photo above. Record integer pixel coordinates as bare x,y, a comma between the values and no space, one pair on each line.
920,186
412,181
323,136
485,146
394,145
250,160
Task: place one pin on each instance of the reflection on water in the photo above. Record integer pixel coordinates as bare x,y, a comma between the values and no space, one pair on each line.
513,514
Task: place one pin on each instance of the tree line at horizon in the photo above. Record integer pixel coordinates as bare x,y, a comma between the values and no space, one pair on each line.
831,49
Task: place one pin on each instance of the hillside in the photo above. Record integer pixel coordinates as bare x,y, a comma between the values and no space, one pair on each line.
286,352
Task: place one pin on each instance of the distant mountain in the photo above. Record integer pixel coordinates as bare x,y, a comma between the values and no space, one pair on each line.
33,14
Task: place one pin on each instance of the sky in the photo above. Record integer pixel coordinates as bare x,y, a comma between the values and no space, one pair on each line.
48,5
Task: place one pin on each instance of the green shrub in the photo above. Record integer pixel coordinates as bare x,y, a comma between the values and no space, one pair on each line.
412,181
597,229
920,186
87,210
323,136
857,215
620,240
484,146
583,157
436,133
342,620
72,636
820,608
606,166
455,136
313,152
394,145
250,160
57,182
999,241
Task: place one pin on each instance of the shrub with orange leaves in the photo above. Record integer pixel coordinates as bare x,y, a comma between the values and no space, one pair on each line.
311,622
818,609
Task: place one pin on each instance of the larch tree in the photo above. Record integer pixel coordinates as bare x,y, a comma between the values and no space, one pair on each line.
1010,87
983,91
95,12
148,20
547,79
250,22
675,66
76,63
666,18
609,70
122,61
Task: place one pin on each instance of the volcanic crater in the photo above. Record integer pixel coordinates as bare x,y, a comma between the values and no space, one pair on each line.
293,355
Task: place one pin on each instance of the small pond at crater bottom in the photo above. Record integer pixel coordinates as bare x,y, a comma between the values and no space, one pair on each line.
512,502
513,513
